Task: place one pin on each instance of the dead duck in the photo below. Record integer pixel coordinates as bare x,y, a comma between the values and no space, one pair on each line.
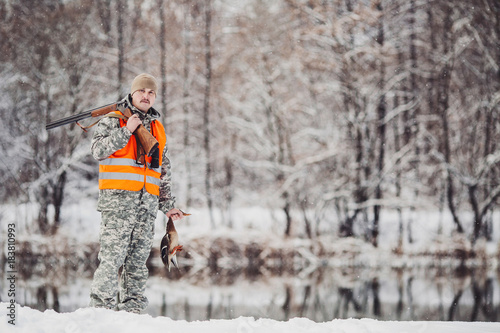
170,245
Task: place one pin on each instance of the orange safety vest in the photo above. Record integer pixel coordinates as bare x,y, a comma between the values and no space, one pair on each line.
121,172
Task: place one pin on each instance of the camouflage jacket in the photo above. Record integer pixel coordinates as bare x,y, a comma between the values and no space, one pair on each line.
110,137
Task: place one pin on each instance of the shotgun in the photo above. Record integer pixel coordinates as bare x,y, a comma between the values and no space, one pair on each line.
148,141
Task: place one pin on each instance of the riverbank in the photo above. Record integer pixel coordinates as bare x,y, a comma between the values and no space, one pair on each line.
258,254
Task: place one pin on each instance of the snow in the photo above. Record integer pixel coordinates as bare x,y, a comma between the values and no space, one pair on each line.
101,320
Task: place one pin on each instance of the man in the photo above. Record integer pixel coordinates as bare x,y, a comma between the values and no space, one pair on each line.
132,187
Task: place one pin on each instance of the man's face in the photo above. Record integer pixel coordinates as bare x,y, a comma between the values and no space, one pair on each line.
143,99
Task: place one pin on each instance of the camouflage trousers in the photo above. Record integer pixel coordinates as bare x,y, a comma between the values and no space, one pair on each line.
125,238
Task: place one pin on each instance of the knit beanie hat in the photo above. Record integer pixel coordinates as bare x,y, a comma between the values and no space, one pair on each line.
143,81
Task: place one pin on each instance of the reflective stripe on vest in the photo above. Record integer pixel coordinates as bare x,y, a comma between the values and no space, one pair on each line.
120,170
126,161
126,174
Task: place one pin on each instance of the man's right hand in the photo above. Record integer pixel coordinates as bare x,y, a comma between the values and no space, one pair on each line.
176,214
133,122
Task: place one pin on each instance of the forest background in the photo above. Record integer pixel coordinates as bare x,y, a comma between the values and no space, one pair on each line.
332,112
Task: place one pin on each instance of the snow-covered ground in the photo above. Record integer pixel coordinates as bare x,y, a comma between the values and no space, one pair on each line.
98,320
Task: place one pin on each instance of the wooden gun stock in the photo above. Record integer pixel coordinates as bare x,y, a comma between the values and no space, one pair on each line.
104,110
148,141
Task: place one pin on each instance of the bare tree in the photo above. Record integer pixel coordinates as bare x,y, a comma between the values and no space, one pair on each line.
163,57
381,133
206,109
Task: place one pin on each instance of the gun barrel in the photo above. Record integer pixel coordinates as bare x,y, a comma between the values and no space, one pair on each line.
68,120
79,116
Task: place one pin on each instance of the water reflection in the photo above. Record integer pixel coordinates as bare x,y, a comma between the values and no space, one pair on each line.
321,295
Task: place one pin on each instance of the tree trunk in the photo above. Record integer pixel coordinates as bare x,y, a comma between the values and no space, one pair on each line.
381,128
397,148
346,227
411,123
163,58
185,105
307,223
442,107
104,8
120,10
57,201
43,219
206,109
280,131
